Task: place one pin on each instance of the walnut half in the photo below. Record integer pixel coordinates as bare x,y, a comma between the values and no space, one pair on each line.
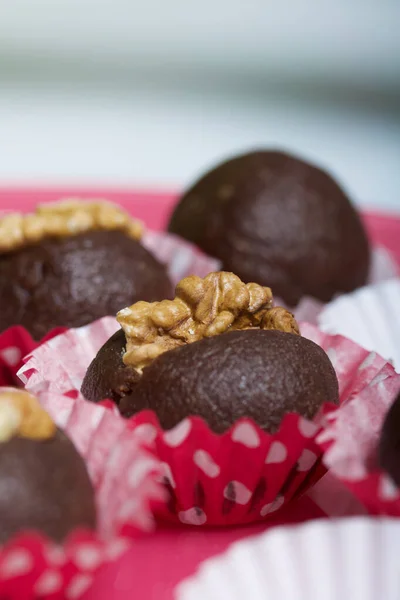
22,415
202,308
62,219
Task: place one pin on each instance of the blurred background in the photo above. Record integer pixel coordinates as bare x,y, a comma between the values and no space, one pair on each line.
126,93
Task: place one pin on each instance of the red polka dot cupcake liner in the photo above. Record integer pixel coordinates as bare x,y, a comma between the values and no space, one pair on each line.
180,257
15,344
126,479
241,476
350,439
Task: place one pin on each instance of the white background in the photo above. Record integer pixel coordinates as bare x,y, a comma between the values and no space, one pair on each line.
150,93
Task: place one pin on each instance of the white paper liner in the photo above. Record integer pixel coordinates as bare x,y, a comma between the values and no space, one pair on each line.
68,370
369,316
351,559
383,267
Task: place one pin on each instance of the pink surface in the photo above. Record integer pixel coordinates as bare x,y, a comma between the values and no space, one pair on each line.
151,569
155,564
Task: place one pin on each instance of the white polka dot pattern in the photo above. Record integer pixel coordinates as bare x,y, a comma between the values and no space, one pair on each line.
176,436
203,460
272,507
40,569
277,453
246,434
78,586
16,563
237,492
87,557
387,489
11,356
49,583
192,516
306,460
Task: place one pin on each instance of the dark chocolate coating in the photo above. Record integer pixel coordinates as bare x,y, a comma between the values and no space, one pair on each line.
44,485
73,281
107,376
252,373
389,443
278,221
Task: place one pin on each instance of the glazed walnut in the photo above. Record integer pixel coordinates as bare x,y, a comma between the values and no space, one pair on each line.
21,415
202,308
63,219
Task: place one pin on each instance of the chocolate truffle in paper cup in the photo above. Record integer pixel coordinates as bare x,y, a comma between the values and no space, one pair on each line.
125,480
350,559
279,221
72,262
220,351
44,484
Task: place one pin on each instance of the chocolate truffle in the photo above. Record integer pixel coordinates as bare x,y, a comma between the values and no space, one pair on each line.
277,220
71,263
220,351
44,484
389,444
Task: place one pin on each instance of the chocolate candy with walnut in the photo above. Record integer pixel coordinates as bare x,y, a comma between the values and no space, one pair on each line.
277,220
219,350
44,484
71,263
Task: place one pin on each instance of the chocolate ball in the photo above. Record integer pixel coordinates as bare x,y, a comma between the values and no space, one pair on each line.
74,280
44,486
261,374
389,443
279,221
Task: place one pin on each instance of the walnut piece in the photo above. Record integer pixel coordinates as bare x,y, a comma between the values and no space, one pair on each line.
21,415
62,219
202,308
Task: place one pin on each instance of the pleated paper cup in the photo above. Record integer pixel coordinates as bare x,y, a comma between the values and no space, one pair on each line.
125,478
350,559
15,344
383,267
370,316
241,476
350,444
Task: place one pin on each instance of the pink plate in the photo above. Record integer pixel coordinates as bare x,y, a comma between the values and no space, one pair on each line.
155,564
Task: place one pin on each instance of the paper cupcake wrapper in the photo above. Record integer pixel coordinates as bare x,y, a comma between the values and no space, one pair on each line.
351,559
32,567
369,316
349,442
125,477
383,267
241,476
15,343
180,257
